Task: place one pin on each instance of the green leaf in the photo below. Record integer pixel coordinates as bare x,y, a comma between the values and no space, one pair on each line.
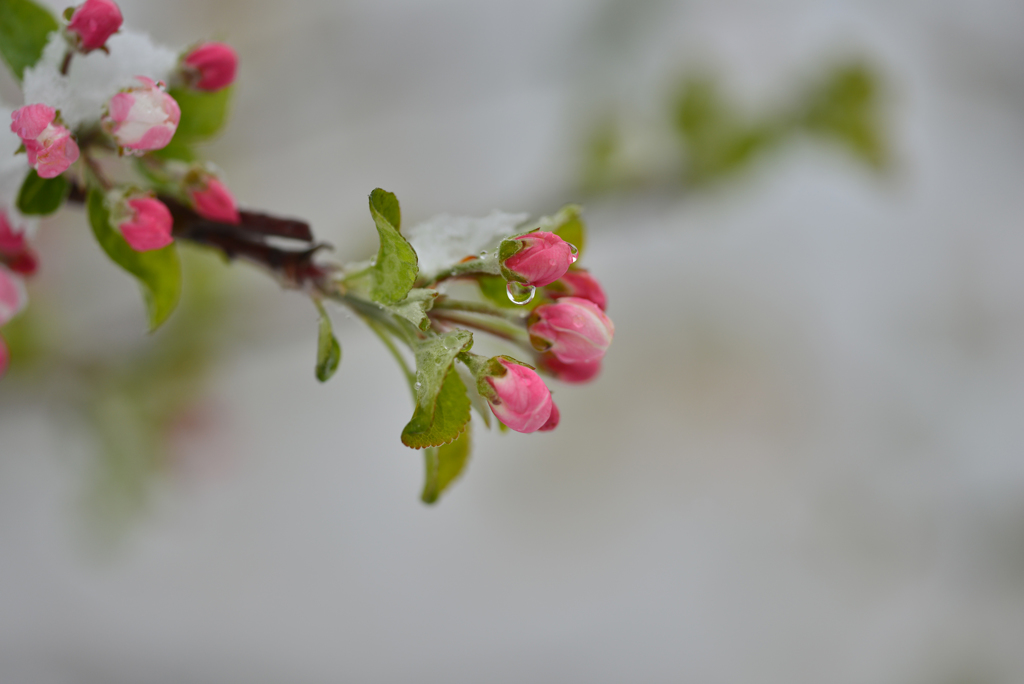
24,30
846,107
158,271
394,272
203,114
328,352
567,225
415,306
42,196
444,465
442,405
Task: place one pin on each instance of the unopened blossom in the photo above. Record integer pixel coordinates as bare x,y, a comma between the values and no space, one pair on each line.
578,283
574,330
536,258
92,23
142,118
517,396
211,199
211,66
146,223
49,145
572,373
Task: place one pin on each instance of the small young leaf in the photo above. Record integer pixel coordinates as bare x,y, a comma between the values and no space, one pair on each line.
202,114
395,271
328,353
24,30
444,464
442,406
42,196
415,306
442,422
158,271
567,225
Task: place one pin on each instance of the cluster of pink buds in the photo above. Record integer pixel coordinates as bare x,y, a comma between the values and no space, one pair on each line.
16,260
50,147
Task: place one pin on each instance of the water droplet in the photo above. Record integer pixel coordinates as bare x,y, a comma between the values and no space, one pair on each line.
578,322
520,294
418,385
573,249
483,254
449,343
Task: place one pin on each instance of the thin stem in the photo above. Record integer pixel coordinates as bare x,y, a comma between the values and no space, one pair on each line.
66,64
381,332
486,266
445,303
496,328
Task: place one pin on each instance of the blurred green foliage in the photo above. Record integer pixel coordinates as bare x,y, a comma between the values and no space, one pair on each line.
716,138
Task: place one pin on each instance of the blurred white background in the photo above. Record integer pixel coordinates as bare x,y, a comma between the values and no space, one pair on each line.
804,461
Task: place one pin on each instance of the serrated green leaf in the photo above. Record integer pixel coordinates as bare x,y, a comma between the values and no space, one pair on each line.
42,196
444,465
203,114
24,30
328,352
415,306
568,225
158,271
395,270
442,406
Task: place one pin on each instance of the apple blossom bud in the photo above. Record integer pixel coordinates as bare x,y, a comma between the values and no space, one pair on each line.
578,283
552,420
13,296
574,330
536,259
142,118
212,200
517,396
211,66
92,23
572,373
147,223
50,147
10,242
14,251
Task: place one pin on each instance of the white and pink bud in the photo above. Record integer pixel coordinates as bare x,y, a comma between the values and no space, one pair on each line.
50,147
516,395
573,330
211,66
572,373
536,258
578,283
212,200
92,23
142,118
145,222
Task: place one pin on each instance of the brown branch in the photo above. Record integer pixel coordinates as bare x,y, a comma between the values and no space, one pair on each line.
248,240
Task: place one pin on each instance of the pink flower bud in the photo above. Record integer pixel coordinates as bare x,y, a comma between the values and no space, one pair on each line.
552,419
572,373
50,147
142,118
211,66
214,201
13,296
148,224
517,397
93,22
580,284
14,251
542,259
572,329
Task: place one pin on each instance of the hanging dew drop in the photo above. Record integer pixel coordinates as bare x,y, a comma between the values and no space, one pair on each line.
520,294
